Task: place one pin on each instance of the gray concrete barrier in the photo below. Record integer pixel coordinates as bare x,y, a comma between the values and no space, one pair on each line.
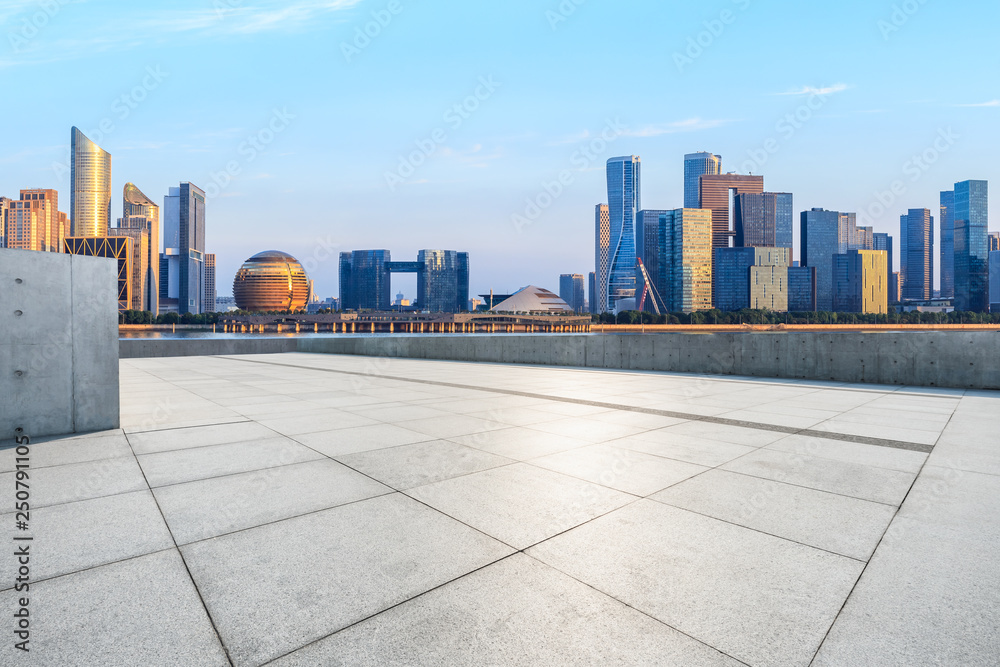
58,348
961,359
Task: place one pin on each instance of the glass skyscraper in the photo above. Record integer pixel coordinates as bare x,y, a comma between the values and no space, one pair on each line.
823,234
801,289
443,281
364,280
917,254
571,290
602,259
624,202
751,277
140,213
697,165
90,187
764,220
947,222
183,250
971,246
883,241
651,230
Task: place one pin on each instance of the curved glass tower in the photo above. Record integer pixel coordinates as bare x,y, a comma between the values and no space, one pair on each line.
624,202
90,187
139,212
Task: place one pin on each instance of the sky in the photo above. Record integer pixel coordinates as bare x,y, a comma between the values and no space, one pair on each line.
321,126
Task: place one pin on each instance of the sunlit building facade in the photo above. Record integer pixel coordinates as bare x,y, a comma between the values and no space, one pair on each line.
697,165
716,192
121,248
861,279
271,281
33,222
210,293
90,187
140,213
602,258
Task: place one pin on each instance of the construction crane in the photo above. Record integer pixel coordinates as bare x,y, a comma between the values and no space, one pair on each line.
648,288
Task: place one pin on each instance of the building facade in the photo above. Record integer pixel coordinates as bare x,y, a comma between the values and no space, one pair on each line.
365,280
651,230
139,212
971,246
917,254
751,277
882,241
210,293
33,222
139,272
602,258
689,249
946,220
443,281
592,293
571,291
697,165
861,282
994,270
994,239
764,220
624,202
715,194
90,187
183,290
801,289
822,235
121,248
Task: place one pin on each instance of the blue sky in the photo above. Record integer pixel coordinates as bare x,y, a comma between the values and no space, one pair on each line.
305,134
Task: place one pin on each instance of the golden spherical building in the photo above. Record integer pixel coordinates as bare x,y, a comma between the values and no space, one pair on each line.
271,280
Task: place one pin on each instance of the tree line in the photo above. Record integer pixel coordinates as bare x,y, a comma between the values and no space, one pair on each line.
768,317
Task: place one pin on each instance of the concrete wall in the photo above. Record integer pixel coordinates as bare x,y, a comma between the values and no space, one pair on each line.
58,343
140,348
966,359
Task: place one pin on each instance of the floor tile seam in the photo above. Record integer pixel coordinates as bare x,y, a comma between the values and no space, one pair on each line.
243,420
803,486
878,545
392,606
216,444
830,458
278,466
677,415
42,580
187,569
74,463
510,462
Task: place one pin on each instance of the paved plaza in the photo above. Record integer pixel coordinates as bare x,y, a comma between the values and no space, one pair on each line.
302,509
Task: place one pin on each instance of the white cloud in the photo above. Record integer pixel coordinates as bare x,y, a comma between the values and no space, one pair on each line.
812,90
991,103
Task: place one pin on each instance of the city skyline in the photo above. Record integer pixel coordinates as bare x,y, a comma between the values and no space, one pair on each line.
533,117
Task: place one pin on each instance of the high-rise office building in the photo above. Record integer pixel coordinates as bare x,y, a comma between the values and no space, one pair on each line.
139,212
442,281
4,207
994,271
823,234
183,250
883,241
763,220
861,282
917,254
971,245
210,293
716,193
947,223
801,289
90,187
697,165
34,222
592,292
994,241
690,252
624,202
751,277
602,258
651,229
139,272
571,290
365,280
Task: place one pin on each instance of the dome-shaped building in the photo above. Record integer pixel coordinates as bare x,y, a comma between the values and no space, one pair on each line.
271,280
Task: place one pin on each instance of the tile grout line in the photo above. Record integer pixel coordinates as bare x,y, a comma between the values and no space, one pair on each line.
187,569
880,442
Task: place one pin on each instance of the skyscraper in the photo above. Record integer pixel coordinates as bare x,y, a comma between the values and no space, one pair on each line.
883,241
764,220
571,290
90,187
994,241
917,249
592,292
365,280
210,293
994,271
751,277
602,258
823,234
716,192
971,245
651,230
947,222
184,249
860,282
801,289
34,222
690,253
697,165
139,212
139,272
442,281
624,202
